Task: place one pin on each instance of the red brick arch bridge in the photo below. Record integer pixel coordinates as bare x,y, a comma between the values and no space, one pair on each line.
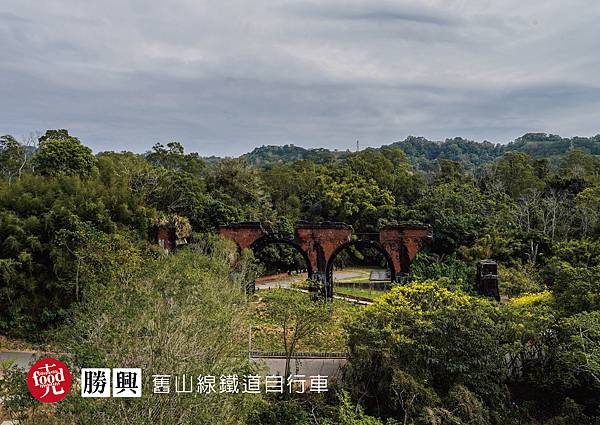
319,244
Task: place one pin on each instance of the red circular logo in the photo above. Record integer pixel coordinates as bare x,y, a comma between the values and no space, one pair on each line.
49,380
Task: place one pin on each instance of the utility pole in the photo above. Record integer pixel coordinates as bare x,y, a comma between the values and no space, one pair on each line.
357,146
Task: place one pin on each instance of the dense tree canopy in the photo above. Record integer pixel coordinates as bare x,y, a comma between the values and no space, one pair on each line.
74,226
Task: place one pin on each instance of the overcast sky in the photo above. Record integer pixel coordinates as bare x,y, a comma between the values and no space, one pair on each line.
225,76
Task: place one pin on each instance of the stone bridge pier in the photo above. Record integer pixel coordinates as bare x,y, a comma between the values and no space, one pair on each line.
319,244
402,243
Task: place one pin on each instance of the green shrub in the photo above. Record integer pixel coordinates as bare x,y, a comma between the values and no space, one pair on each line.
414,345
183,314
520,279
459,274
57,236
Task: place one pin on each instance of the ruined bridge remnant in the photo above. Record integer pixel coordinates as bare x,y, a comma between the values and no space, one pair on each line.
319,244
319,241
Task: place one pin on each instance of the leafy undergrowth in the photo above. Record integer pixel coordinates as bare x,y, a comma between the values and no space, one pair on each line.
11,344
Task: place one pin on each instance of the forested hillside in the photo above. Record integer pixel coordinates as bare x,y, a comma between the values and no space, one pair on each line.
80,268
423,153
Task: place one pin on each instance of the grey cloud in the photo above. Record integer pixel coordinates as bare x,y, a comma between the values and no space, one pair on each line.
123,75
377,12
10,19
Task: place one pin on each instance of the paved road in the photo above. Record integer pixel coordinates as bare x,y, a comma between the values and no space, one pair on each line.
330,367
311,366
23,359
287,281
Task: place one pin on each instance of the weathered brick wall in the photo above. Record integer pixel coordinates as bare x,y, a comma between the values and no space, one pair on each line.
403,242
244,234
165,237
319,240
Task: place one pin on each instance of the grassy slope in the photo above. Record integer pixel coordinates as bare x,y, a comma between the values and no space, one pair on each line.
358,292
267,336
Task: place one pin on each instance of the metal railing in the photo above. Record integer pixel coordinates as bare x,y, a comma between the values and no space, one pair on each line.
299,354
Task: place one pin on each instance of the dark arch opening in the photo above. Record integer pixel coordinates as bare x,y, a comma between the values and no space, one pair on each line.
267,240
360,244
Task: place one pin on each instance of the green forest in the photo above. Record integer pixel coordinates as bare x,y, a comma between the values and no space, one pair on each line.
81,272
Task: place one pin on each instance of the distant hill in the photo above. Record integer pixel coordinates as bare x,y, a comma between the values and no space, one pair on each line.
423,153
551,145
266,156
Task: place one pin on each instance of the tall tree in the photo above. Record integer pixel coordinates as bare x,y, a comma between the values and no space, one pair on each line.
298,316
62,154
173,157
13,157
517,174
240,186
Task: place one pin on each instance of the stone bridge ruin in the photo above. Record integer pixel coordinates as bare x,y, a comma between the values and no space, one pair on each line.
319,244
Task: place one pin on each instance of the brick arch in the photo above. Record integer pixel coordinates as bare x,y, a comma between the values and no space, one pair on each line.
318,242
362,243
244,234
268,239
